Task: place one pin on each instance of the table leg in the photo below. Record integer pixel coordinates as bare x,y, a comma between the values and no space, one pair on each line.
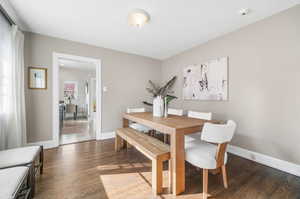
170,176
178,166
125,123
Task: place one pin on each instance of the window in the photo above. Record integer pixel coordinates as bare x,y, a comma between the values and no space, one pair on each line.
12,103
5,68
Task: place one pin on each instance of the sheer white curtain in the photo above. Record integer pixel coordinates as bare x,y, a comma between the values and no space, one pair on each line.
12,97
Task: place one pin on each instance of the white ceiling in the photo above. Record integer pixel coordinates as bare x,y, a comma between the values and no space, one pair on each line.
71,64
175,26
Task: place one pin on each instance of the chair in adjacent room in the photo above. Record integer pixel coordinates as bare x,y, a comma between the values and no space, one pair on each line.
72,108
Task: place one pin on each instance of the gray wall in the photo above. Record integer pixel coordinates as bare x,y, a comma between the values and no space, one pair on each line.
125,75
264,83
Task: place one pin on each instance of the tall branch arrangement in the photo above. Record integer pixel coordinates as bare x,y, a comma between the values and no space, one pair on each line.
164,91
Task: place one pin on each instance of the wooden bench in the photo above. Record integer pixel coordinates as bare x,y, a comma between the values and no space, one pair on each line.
154,149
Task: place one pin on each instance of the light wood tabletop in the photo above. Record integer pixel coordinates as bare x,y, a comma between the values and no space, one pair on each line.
176,127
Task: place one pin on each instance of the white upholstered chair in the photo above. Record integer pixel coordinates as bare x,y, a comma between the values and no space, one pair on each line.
14,183
137,126
203,154
200,115
197,115
173,111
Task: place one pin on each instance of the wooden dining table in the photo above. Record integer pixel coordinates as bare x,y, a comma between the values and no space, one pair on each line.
176,127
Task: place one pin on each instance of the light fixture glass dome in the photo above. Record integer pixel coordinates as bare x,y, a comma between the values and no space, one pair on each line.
138,17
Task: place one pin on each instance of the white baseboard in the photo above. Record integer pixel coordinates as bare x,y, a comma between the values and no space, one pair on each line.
46,144
266,160
51,143
107,135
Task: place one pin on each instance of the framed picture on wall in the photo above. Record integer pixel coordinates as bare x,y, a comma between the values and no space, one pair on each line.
206,81
37,78
70,90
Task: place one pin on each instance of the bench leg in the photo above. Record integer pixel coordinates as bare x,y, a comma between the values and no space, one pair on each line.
32,180
157,176
42,160
28,194
118,143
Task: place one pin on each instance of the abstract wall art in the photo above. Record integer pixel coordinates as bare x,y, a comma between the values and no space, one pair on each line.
207,81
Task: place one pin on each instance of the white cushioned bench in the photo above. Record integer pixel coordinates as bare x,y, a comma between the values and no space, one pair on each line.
18,156
11,182
24,156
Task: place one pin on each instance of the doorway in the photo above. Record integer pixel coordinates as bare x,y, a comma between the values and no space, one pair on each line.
76,99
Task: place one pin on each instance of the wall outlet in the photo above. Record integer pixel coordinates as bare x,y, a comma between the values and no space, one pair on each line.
104,89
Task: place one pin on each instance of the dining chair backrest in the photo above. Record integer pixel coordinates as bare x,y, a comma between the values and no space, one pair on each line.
173,111
70,108
218,133
200,115
136,110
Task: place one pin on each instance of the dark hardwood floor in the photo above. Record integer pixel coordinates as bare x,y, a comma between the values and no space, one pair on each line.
91,170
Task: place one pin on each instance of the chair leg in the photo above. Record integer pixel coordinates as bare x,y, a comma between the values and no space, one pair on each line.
170,175
205,183
165,138
129,146
153,133
224,174
157,176
190,175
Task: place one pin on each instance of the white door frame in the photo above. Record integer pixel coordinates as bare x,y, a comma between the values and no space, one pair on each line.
92,85
55,92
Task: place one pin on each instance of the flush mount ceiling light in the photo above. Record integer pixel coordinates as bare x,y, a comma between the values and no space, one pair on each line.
138,18
244,11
